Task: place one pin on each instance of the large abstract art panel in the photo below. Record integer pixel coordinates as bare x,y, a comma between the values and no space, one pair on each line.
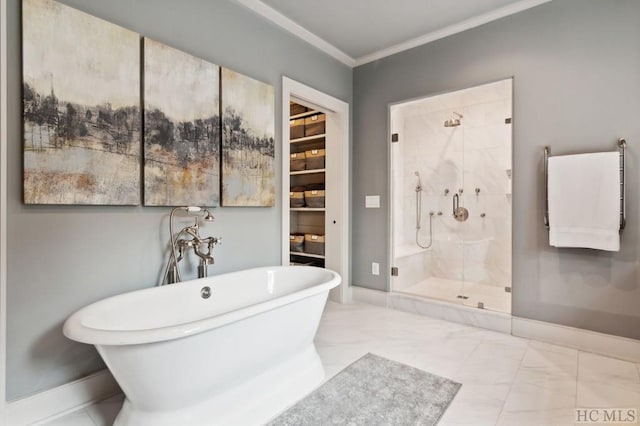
181,128
81,108
248,148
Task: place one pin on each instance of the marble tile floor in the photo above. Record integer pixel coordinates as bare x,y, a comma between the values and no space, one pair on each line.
493,297
506,380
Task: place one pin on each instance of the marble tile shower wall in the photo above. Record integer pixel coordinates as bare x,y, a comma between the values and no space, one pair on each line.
473,156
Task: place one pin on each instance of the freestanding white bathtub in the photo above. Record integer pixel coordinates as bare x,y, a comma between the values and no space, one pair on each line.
237,357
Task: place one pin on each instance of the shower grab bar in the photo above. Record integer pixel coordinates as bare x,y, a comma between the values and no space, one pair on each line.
622,146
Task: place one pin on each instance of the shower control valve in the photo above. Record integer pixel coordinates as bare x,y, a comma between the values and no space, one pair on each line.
459,213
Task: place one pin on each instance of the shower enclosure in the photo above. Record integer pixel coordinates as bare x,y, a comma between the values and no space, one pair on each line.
451,190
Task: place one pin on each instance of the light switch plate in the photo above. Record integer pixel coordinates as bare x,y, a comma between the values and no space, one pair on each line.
372,202
375,268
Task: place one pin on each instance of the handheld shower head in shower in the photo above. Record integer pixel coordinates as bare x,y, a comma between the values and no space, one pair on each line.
419,184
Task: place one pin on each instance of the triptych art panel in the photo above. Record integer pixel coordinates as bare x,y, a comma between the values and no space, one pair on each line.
248,147
207,134
81,101
181,128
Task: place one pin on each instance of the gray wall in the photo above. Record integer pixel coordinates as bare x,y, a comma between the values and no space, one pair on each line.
576,68
62,258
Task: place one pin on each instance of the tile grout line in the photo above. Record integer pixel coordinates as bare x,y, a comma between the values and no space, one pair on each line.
513,381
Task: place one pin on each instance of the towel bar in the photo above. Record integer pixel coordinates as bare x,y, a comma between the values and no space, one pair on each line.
622,146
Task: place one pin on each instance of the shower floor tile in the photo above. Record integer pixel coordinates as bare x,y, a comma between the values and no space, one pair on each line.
493,297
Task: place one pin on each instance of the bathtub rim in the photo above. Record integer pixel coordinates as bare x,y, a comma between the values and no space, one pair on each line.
74,328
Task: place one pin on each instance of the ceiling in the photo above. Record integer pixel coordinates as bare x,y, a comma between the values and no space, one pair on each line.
361,31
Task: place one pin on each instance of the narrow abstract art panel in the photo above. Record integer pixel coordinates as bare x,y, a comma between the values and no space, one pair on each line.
248,148
81,108
181,128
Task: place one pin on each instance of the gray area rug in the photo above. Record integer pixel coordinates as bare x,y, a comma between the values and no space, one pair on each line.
374,391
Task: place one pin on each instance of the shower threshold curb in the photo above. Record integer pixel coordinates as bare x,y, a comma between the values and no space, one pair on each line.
461,314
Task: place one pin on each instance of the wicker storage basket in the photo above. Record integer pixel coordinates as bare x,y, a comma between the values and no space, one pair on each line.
314,159
314,125
296,243
296,128
314,198
314,244
296,199
297,161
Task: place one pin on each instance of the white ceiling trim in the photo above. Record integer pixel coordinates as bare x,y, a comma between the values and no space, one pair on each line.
452,29
279,19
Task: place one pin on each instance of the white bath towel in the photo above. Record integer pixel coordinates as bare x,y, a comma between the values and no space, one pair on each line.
584,201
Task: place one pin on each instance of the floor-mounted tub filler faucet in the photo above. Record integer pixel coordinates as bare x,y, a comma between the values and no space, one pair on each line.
202,246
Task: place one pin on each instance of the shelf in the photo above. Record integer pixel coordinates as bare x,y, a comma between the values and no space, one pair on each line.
307,138
299,253
305,114
306,172
306,209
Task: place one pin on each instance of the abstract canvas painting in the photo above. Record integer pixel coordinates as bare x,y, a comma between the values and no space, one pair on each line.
181,128
248,148
81,108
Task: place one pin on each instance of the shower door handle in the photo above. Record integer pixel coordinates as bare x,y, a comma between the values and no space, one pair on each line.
456,203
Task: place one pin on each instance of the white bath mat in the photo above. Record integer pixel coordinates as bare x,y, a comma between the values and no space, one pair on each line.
374,391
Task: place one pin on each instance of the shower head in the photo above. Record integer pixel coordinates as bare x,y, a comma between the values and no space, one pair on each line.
419,184
453,121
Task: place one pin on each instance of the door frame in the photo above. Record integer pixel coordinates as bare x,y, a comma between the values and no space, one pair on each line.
3,207
295,89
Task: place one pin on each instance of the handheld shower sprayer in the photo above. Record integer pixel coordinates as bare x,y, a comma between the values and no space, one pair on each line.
419,213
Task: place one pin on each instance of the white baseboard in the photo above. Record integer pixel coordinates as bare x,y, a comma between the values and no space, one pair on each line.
64,399
584,340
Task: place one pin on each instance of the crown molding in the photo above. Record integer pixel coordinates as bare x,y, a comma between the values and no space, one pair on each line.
467,24
279,19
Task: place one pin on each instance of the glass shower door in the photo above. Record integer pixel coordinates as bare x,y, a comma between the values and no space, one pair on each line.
487,196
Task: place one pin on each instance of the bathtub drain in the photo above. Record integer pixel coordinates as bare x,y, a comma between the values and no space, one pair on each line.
205,292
